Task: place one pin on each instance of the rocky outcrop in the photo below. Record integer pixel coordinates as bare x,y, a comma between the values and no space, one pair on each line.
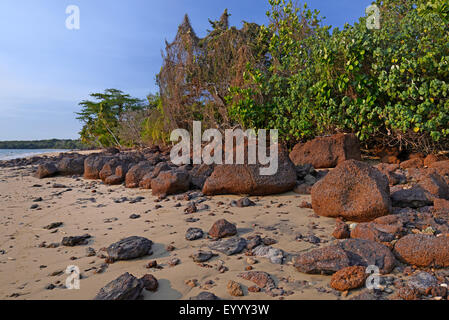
46,170
93,165
354,191
327,152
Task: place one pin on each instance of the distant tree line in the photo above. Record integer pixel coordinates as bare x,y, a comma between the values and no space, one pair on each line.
43,144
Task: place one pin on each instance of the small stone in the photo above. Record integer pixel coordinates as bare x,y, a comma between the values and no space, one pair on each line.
234,289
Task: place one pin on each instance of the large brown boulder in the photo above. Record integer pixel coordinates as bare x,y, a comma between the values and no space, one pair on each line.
93,165
354,191
45,170
247,179
222,229
327,152
136,173
442,167
71,166
383,230
170,182
346,253
423,250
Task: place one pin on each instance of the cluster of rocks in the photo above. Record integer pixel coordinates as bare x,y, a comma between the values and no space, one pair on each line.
398,213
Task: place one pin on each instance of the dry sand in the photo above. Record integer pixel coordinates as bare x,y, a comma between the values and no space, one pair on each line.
25,268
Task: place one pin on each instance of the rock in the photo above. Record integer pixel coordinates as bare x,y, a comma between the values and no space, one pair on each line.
134,216
194,234
202,256
53,225
150,283
380,230
412,163
302,189
75,241
430,159
442,167
423,250
247,179
435,185
229,246
199,175
129,248
136,173
441,205
327,152
69,166
341,230
349,278
422,282
93,165
347,253
354,190
242,203
234,289
125,287
170,182
408,293
174,262
275,255
90,252
253,242
205,296
222,229
389,171
260,278
114,171
46,170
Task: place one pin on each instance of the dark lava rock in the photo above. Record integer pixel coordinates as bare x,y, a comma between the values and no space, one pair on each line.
229,246
202,256
347,253
75,241
129,248
125,287
194,234
205,296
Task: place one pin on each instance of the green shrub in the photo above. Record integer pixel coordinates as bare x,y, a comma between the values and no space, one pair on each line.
391,82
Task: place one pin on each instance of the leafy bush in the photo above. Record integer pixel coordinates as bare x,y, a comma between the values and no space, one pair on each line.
389,83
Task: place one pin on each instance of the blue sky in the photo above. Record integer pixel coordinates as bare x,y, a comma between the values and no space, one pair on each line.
46,69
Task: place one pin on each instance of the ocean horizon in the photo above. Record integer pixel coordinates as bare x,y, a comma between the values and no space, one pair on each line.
10,154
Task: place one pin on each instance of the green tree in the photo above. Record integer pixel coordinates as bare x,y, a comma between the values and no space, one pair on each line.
101,116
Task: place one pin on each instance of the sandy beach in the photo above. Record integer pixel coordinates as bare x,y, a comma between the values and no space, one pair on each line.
86,206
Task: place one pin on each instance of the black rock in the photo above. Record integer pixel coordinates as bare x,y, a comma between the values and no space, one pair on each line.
75,241
194,234
125,287
205,296
129,248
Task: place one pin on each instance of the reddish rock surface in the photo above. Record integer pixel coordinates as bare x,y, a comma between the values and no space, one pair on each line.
136,173
442,167
46,170
93,165
354,191
441,205
327,152
423,250
341,230
412,163
247,179
170,182
430,159
222,229
234,289
150,283
349,278
260,278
